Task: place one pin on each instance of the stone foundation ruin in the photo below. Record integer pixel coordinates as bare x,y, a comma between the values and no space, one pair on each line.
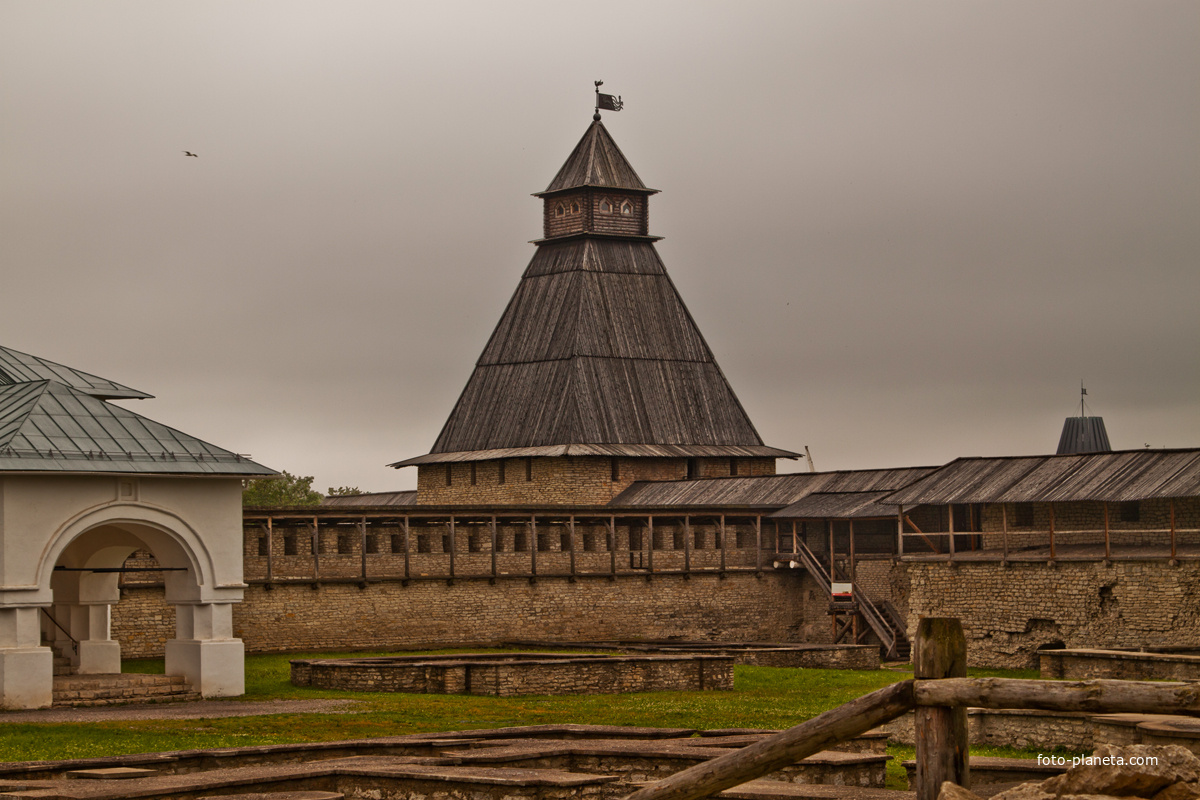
508,674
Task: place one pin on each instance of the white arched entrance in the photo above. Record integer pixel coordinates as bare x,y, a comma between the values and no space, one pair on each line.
60,576
84,582
84,483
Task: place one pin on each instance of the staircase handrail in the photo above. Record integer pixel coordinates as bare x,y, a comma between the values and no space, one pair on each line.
74,641
876,620
815,568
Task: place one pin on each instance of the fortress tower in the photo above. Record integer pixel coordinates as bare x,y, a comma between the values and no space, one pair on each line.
596,375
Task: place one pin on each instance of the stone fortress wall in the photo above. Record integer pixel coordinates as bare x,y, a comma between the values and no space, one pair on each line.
577,480
1009,608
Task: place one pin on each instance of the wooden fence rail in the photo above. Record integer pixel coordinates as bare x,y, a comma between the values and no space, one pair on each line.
941,735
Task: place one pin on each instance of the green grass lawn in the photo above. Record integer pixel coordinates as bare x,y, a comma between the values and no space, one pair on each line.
763,697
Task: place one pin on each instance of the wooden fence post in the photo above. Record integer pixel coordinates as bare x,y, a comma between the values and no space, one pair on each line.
941,731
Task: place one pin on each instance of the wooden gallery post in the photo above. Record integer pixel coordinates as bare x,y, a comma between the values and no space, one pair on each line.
941,731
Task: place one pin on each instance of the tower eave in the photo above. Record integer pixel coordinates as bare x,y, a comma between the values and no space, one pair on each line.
597,187
631,237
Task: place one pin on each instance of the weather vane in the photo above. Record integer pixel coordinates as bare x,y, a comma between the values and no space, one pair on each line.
606,101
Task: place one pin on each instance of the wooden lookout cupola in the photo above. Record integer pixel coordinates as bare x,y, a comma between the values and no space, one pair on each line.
596,375
596,192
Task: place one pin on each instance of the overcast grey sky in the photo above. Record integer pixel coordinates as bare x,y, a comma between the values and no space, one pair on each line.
907,230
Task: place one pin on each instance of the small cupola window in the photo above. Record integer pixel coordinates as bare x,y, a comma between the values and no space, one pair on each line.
626,207
575,207
605,206
559,210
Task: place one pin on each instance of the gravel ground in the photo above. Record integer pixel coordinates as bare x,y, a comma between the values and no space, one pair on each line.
200,709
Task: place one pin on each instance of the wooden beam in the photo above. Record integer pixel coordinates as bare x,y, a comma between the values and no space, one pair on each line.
941,731
270,550
1093,696
612,545
1051,530
453,545
1107,543
687,544
316,550
928,541
533,544
724,543
362,531
853,571
832,550
571,544
492,526
783,749
1173,530
650,544
758,542
950,528
407,552
1004,528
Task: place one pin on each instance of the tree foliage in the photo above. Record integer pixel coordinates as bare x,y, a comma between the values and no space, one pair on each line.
344,491
285,490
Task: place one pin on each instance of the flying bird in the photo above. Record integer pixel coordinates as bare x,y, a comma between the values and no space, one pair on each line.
190,153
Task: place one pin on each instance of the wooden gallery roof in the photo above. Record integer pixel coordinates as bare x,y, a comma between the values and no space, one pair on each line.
596,352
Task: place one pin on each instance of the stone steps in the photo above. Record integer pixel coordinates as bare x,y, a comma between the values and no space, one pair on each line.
116,689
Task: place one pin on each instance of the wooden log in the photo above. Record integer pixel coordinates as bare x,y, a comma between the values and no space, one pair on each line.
650,545
769,754
533,541
928,541
407,552
1051,506
1004,528
316,550
362,542
571,543
687,544
1173,530
492,529
1107,538
724,544
612,545
758,542
950,528
270,550
1094,696
941,730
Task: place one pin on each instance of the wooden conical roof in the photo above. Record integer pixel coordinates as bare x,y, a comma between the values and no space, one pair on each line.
596,353
596,161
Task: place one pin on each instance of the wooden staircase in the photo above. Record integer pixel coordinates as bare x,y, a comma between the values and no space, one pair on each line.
883,618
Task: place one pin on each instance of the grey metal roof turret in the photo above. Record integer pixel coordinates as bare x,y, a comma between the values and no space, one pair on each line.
1083,435
18,367
47,426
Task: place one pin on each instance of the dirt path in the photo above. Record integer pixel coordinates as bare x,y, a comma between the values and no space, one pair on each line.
200,709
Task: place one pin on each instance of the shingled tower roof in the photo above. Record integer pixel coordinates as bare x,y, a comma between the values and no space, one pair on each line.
596,161
596,354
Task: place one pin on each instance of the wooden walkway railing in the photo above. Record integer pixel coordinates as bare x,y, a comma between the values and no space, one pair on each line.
940,695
